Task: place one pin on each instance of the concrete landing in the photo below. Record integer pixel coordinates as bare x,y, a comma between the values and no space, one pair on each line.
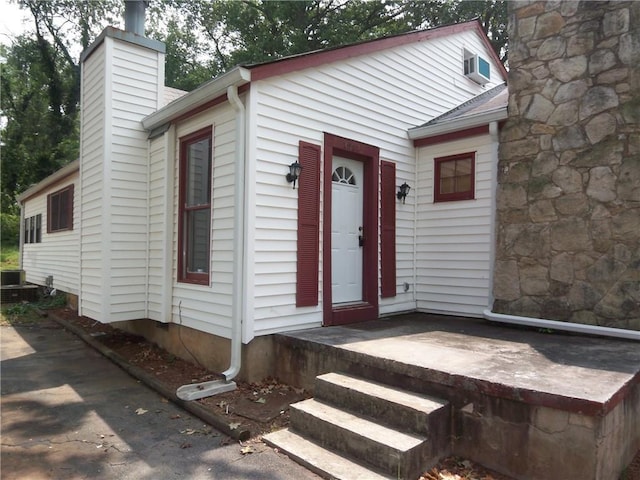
529,404
576,373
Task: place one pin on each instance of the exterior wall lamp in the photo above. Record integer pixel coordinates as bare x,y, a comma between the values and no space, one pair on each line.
294,173
403,191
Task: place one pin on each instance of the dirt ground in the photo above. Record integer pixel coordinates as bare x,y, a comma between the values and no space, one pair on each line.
259,408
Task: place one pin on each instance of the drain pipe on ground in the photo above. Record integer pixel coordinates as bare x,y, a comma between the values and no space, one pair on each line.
196,391
563,326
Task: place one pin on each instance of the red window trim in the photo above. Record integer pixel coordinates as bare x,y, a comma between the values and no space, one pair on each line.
451,197
183,275
67,210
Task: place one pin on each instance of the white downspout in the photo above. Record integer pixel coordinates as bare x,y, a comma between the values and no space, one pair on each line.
206,389
238,235
531,321
563,326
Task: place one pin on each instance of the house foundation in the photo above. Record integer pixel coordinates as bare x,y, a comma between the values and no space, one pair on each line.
210,351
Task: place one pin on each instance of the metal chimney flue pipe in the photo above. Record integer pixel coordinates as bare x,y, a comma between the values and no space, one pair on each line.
134,12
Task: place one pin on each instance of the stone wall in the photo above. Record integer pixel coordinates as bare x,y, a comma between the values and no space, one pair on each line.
568,200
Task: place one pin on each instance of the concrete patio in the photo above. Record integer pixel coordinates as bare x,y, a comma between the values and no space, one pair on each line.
527,403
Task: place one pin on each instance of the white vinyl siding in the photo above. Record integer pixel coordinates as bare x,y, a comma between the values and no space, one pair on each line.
125,80
453,248
92,144
208,307
372,99
57,253
158,204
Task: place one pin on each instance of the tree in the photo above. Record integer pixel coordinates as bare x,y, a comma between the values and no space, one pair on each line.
40,83
205,38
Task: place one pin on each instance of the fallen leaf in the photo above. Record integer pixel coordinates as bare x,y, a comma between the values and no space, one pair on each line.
246,450
141,411
174,417
185,445
234,426
261,400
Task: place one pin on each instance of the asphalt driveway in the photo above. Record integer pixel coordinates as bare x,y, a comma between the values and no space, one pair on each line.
68,412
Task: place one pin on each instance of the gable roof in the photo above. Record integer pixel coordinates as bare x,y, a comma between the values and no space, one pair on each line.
487,107
210,92
319,57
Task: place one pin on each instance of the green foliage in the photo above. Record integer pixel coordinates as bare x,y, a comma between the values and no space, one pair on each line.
28,313
9,257
10,229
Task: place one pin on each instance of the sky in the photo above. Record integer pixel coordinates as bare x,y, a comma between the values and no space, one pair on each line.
12,21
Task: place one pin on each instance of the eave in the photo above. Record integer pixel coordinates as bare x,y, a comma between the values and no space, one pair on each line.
461,123
52,179
212,89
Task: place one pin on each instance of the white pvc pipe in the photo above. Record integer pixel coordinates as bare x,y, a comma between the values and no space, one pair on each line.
563,326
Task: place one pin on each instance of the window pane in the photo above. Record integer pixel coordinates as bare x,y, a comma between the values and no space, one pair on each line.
463,184
447,185
463,167
448,169
198,230
38,228
198,181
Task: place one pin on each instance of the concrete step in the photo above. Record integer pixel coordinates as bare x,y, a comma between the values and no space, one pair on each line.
319,460
401,455
406,411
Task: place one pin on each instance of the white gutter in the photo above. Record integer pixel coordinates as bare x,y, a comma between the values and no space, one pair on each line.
459,123
207,389
201,95
563,326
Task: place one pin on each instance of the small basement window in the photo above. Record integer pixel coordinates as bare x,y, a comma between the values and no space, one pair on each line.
454,177
60,210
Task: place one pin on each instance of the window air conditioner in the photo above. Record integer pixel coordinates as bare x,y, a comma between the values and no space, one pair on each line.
477,69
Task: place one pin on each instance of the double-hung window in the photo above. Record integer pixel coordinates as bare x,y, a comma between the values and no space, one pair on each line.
195,207
455,177
33,229
60,210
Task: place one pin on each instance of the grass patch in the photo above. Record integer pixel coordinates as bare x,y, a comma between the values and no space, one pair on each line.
28,313
9,257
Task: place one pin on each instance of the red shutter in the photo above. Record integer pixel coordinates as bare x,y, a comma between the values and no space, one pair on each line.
308,225
388,224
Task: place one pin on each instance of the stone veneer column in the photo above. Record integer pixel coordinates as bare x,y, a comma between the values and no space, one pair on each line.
568,199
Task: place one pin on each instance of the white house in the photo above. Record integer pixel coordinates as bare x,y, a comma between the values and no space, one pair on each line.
183,213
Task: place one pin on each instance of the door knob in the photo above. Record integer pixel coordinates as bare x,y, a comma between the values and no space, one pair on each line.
360,238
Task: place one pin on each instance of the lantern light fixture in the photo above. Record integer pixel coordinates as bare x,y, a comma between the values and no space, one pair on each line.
294,173
403,191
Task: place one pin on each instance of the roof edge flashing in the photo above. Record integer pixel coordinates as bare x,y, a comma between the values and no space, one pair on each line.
130,37
448,126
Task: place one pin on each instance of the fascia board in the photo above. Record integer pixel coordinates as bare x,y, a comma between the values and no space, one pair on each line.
462,123
207,91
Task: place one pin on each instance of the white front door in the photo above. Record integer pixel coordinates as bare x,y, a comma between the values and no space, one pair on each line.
346,230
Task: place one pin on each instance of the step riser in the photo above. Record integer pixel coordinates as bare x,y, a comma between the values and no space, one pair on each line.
400,464
434,424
